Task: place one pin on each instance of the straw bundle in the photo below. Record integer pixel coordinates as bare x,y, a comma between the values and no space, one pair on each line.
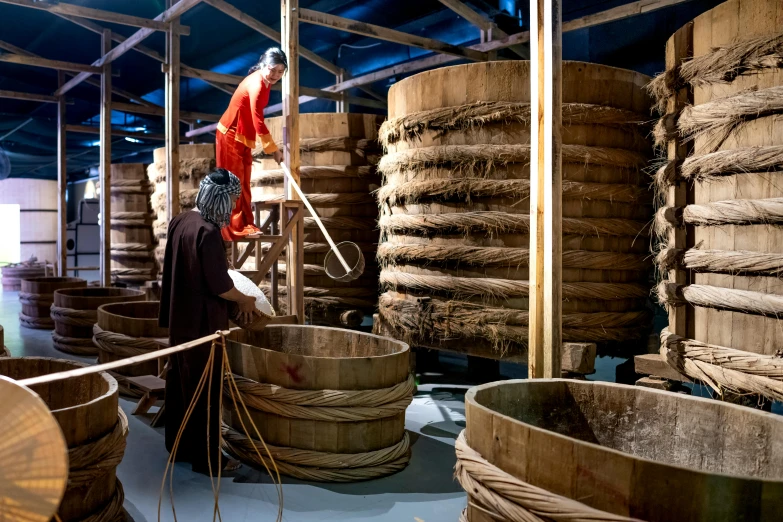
463,117
743,262
708,296
273,176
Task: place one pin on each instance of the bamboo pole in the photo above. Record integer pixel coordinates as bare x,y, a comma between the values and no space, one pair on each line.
172,121
546,181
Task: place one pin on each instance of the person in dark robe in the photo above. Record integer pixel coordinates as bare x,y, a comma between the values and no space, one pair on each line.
194,303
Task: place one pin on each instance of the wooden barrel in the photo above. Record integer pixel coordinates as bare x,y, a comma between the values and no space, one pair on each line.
12,275
75,312
339,152
596,448
37,200
4,352
132,242
455,208
95,429
125,330
329,403
37,297
195,162
720,226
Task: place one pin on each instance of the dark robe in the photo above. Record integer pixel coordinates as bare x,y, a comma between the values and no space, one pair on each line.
194,274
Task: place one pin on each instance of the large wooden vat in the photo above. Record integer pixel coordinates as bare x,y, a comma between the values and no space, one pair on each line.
125,330
12,275
37,200
132,242
720,227
455,208
4,352
339,152
95,429
329,403
75,312
37,297
605,451
195,162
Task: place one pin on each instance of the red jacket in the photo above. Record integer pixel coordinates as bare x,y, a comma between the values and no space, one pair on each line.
245,113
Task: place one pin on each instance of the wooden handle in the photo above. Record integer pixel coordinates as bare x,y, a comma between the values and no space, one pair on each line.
317,219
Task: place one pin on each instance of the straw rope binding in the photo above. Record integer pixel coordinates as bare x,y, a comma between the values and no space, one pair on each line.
505,497
273,176
73,317
36,323
739,262
724,368
464,117
74,345
719,298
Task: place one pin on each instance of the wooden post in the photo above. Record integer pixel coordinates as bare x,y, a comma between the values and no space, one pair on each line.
289,28
62,180
679,48
341,105
105,164
172,120
546,181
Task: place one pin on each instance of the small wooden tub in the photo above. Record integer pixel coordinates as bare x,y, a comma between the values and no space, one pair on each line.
75,312
37,296
12,275
625,451
125,330
329,403
95,429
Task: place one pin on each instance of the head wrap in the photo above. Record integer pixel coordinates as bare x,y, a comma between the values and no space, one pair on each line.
214,196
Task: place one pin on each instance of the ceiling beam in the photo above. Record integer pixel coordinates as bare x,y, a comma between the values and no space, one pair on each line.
238,15
86,129
7,134
49,64
134,108
93,14
610,15
143,49
170,14
391,35
484,23
28,96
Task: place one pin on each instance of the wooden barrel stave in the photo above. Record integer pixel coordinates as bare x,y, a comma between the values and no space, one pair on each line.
87,410
620,449
312,358
78,309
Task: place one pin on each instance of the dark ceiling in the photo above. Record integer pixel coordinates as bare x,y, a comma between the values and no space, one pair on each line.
221,44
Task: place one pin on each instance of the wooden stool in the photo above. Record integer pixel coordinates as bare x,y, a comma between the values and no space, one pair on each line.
154,389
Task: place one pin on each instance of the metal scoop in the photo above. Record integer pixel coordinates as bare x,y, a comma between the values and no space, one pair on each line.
344,262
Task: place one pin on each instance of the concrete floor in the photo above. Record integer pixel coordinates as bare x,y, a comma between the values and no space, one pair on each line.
424,491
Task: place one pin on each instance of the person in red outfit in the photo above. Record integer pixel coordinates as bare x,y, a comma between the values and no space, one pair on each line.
241,129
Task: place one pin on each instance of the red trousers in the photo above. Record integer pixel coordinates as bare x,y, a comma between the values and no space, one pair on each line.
238,159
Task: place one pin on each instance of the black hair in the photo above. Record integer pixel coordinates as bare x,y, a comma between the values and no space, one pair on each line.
220,176
272,56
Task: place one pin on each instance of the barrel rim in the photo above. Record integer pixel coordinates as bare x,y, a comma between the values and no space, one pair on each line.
111,381
53,279
105,309
75,292
640,77
405,347
471,402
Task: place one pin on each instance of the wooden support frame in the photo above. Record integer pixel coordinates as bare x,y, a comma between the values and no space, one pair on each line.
105,164
168,15
134,108
14,95
391,35
90,13
289,25
488,28
62,182
86,129
172,92
546,182
58,65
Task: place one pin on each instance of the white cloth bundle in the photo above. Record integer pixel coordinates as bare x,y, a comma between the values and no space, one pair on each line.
248,287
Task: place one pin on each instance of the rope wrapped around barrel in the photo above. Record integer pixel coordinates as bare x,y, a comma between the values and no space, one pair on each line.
31,299
325,405
139,219
73,317
90,462
135,250
74,345
505,497
37,323
122,345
